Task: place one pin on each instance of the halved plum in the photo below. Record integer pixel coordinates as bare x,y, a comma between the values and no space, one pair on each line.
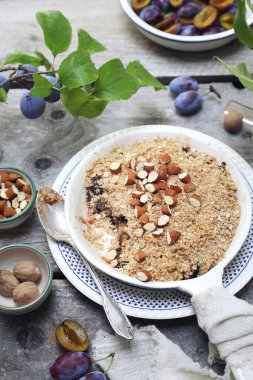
164,5
185,21
174,29
72,336
222,4
176,3
189,10
138,5
226,20
206,17
166,21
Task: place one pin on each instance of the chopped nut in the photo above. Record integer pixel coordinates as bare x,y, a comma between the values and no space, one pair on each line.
149,166
161,185
142,174
144,219
151,187
163,220
169,192
140,256
176,188
130,178
189,187
144,198
166,210
173,169
140,186
195,200
162,172
135,202
173,236
111,255
170,200
144,275
139,211
137,194
150,226
158,232
138,232
165,158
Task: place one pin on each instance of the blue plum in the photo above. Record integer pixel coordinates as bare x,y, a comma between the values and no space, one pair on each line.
189,30
183,83
55,95
70,366
213,29
96,375
28,81
188,10
150,14
188,102
32,107
6,86
164,5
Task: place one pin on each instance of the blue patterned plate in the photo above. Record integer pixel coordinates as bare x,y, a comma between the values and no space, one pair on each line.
147,303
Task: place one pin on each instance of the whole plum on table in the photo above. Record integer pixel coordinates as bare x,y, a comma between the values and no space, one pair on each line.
32,107
70,366
150,14
6,86
96,375
188,102
189,30
182,84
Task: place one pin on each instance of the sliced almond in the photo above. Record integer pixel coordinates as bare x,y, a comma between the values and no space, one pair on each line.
150,226
18,210
139,211
138,231
130,178
8,203
21,196
172,180
139,166
166,210
140,186
133,164
165,158
173,169
142,174
137,194
158,232
144,276
184,177
111,255
173,236
3,194
194,200
135,202
141,158
144,198
163,220
15,203
144,218
23,204
148,166
162,185
115,167
169,192
19,183
189,187
176,188
162,171
140,256
170,200
151,187
144,181
153,176
157,198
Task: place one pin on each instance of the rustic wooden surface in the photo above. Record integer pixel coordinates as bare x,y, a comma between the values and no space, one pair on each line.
42,147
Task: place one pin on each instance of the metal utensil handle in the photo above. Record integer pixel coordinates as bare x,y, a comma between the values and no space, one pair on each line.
117,318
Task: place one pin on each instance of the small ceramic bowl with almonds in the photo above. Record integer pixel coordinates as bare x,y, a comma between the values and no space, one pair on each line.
17,197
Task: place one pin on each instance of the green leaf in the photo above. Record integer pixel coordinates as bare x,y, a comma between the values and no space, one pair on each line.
19,57
136,69
93,107
77,70
242,29
56,29
241,72
114,82
86,42
42,87
3,95
73,99
44,61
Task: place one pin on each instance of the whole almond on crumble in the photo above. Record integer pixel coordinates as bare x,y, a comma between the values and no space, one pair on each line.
144,275
140,256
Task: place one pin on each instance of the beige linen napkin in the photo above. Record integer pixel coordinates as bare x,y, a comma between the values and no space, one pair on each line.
151,356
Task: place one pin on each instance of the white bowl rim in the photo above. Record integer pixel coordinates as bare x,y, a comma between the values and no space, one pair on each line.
244,223
171,37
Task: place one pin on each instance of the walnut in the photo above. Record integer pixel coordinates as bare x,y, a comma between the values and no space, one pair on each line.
26,270
25,293
8,283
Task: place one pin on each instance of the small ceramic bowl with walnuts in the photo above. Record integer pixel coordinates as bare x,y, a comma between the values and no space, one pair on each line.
25,279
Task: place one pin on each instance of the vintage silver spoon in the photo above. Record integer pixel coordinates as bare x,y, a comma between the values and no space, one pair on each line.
50,207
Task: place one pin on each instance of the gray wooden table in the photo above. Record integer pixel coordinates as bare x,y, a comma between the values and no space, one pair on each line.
43,146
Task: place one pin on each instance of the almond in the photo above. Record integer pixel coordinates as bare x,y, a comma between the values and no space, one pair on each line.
135,202
144,219
172,180
158,232
138,231
8,184
139,211
130,177
141,158
162,171
144,275
14,176
151,187
114,263
153,176
166,210
140,256
184,177
106,175
3,194
157,198
169,192
144,181
161,185
11,192
1,216
170,200
21,196
115,167
195,200
165,158
19,183
163,220
133,164
4,176
176,188
18,210
144,198
148,166
154,161
140,186
150,226
9,211
28,197
139,166
189,187
111,255
137,194
173,236
23,204
3,204
142,174
173,169
15,203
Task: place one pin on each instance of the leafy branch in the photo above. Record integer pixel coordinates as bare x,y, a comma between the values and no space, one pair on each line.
84,89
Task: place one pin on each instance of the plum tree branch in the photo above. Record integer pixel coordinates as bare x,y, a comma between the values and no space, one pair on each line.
17,78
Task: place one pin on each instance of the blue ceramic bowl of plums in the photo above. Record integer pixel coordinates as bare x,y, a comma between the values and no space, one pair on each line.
185,25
